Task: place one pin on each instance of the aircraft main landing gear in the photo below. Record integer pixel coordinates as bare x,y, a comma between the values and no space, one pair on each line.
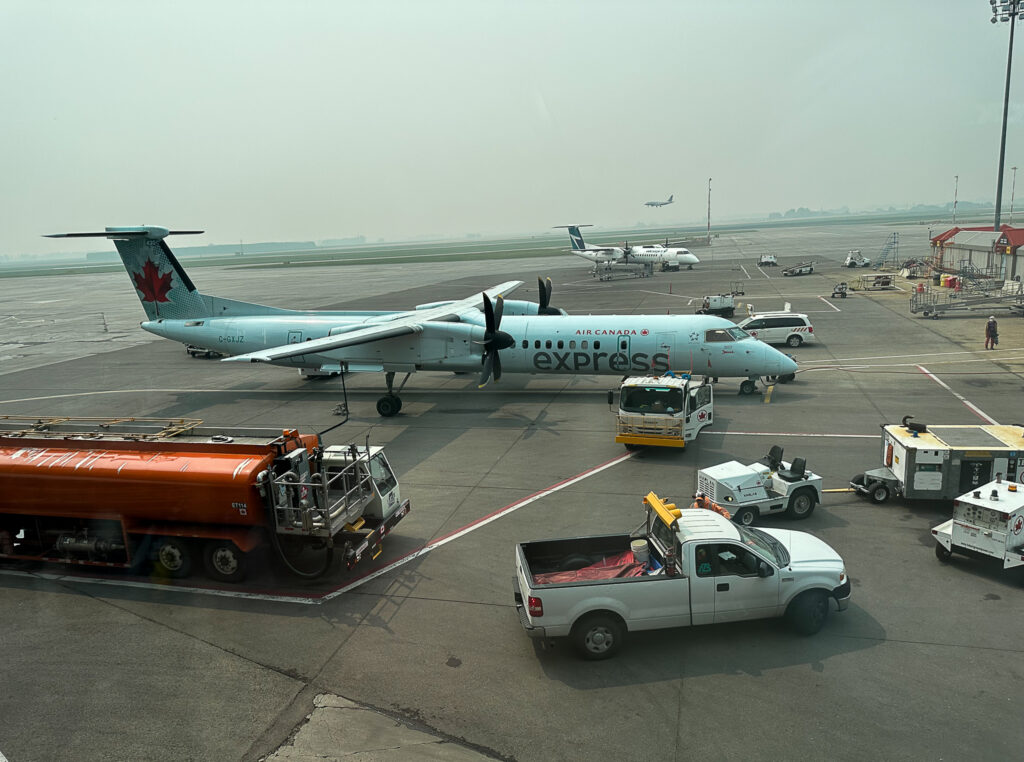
391,404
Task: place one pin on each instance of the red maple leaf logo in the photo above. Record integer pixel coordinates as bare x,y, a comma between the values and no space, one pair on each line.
152,284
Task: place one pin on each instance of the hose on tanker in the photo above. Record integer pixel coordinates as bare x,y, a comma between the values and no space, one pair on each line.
276,543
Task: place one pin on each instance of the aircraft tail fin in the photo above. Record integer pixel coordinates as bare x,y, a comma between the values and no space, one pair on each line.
576,236
160,281
670,198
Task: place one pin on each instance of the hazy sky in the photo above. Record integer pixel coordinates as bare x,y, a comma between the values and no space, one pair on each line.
324,119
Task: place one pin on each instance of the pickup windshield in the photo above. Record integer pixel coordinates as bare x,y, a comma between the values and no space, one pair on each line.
765,543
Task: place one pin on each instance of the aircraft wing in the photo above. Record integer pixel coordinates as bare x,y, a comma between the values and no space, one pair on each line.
390,326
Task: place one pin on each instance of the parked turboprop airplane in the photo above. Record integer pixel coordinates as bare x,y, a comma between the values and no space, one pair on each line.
484,330
608,256
659,203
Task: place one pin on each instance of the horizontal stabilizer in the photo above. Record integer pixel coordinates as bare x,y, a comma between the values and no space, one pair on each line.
143,231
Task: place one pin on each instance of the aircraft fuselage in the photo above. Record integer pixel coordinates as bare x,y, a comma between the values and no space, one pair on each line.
607,344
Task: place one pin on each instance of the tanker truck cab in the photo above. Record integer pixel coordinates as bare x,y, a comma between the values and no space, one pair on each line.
661,411
681,567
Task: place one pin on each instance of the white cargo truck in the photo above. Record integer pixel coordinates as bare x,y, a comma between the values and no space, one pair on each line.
661,411
769,486
987,522
929,462
679,568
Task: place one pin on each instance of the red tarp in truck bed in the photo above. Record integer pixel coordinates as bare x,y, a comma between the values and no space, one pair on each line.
618,565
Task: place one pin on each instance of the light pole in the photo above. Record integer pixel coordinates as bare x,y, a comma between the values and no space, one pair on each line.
956,187
1005,10
1013,189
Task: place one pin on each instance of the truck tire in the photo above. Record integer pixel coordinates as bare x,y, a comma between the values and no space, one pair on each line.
878,492
745,516
598,636
808,612
575,562
801,504
173,558
942,554
794,341
224,561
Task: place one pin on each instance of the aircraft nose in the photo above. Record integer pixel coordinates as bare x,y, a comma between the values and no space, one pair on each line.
786,364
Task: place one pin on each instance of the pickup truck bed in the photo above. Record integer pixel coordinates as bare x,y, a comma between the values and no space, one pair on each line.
583,559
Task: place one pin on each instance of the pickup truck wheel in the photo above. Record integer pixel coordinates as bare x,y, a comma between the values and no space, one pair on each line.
598,636
224,561
173,558
878,493
745,516
801,505
942,553
807,614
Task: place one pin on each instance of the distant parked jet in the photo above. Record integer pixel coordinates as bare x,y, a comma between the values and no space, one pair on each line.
659,203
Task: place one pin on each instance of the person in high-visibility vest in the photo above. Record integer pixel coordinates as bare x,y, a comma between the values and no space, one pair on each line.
700,500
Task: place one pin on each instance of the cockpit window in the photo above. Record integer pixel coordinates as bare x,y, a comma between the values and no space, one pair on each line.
718,334
738,333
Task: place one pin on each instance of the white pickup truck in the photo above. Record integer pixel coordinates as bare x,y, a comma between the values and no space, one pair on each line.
699,568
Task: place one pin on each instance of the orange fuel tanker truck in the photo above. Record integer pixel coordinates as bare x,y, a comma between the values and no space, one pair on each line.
127,492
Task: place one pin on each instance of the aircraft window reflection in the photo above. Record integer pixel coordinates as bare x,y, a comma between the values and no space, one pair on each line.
572,344
526,344
738,333
583,344
597,345
717,334
547,344
536,344
561,344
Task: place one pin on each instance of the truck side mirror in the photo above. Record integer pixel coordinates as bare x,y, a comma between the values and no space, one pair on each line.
764,570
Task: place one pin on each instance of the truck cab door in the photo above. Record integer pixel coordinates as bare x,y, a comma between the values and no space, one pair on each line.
699,406
740,591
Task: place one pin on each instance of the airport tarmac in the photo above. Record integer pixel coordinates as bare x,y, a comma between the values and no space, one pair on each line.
425,640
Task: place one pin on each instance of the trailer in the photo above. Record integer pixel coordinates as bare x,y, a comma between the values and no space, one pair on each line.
128,492
930,462
804,268
840,290
987,522
661,411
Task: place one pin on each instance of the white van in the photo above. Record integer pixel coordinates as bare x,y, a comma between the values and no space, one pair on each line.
790,328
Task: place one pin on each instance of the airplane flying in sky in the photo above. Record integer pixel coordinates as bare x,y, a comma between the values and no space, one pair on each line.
659,203
669,258
483,332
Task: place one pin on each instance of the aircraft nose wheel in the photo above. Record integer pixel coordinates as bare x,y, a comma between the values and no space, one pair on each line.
747,387
389,405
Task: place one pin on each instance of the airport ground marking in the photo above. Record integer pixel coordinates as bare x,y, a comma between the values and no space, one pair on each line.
829,304
474,525
745,272
764,273
825,435
768,394
974,408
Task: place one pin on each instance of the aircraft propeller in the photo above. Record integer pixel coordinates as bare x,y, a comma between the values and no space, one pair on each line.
544,288
494,340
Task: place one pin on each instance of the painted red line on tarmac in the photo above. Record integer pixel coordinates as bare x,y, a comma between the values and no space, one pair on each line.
483,520
970,405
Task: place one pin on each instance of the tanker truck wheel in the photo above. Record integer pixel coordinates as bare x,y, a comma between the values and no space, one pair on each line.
173,558
224,561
